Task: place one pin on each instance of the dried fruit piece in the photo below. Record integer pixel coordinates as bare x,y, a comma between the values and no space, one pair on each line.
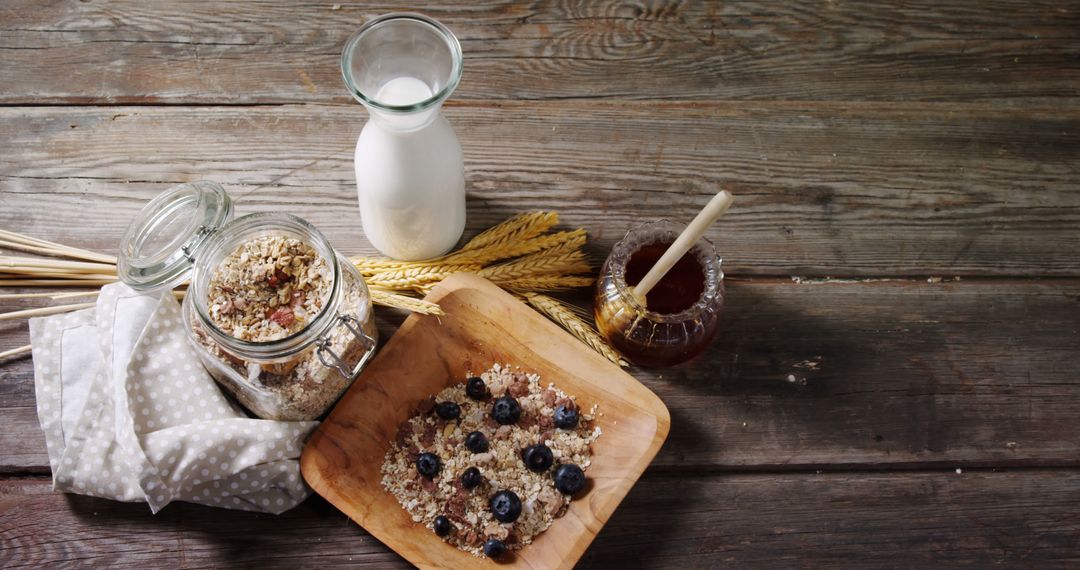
283,316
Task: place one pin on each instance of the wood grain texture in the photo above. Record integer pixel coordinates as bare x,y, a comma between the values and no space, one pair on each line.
836,520
878,374
483,326
835,189
873,140
1001,51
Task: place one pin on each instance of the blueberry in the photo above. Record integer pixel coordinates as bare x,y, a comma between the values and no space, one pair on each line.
441,526
448,410
566,417
475,388
476,442
506,410
505,506
569,478
494,548
428,465
471,478
537,458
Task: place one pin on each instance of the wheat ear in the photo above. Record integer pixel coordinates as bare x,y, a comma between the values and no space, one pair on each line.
390,299
516,229
421,274
547,283
537,264
565,317
489,254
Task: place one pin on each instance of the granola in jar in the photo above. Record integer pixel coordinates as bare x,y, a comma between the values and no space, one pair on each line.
490,463
278,317
268,288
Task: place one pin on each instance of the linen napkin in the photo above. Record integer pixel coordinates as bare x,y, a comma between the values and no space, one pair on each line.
130,414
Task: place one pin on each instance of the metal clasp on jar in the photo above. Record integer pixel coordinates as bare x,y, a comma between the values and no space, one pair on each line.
188,249
331,359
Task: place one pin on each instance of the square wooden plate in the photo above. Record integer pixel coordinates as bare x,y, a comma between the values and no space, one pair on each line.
483,325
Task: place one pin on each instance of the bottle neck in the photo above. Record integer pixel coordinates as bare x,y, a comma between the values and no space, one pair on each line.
403,122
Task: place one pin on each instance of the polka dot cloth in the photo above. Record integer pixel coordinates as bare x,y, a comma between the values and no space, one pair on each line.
130,414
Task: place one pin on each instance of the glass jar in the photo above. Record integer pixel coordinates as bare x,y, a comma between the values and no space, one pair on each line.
402,67
647,337
188,232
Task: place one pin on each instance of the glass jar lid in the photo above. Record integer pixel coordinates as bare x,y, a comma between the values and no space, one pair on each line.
160,245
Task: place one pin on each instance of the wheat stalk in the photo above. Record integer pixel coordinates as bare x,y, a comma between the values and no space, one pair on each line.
80,277
409,282
370,266
62,282
537,264
516,229
547,283
42,311
420,274
489,254
515,237
53,296
391,299
26,243
567,319
10,264
15,351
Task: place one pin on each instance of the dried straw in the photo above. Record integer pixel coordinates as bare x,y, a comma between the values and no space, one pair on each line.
42,311
63,282
390,299
34,245
53,296
15,351
517,255
547,283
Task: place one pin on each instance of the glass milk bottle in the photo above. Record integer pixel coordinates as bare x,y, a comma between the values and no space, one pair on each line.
410,176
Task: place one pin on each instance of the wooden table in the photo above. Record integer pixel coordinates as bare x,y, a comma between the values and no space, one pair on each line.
896,380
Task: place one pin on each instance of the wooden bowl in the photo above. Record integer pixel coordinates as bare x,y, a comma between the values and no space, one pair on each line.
483,325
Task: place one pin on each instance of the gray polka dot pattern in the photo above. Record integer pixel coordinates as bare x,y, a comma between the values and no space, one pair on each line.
130,414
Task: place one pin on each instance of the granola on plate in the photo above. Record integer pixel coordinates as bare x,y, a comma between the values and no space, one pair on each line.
491,462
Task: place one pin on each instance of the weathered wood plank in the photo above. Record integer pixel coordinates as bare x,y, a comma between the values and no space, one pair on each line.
837,189
279,51
703,521
832,375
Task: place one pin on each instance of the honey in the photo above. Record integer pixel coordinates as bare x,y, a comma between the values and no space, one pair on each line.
682,312
678,290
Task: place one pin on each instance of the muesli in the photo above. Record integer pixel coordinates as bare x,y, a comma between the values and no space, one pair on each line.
268,288
265,290
490,463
